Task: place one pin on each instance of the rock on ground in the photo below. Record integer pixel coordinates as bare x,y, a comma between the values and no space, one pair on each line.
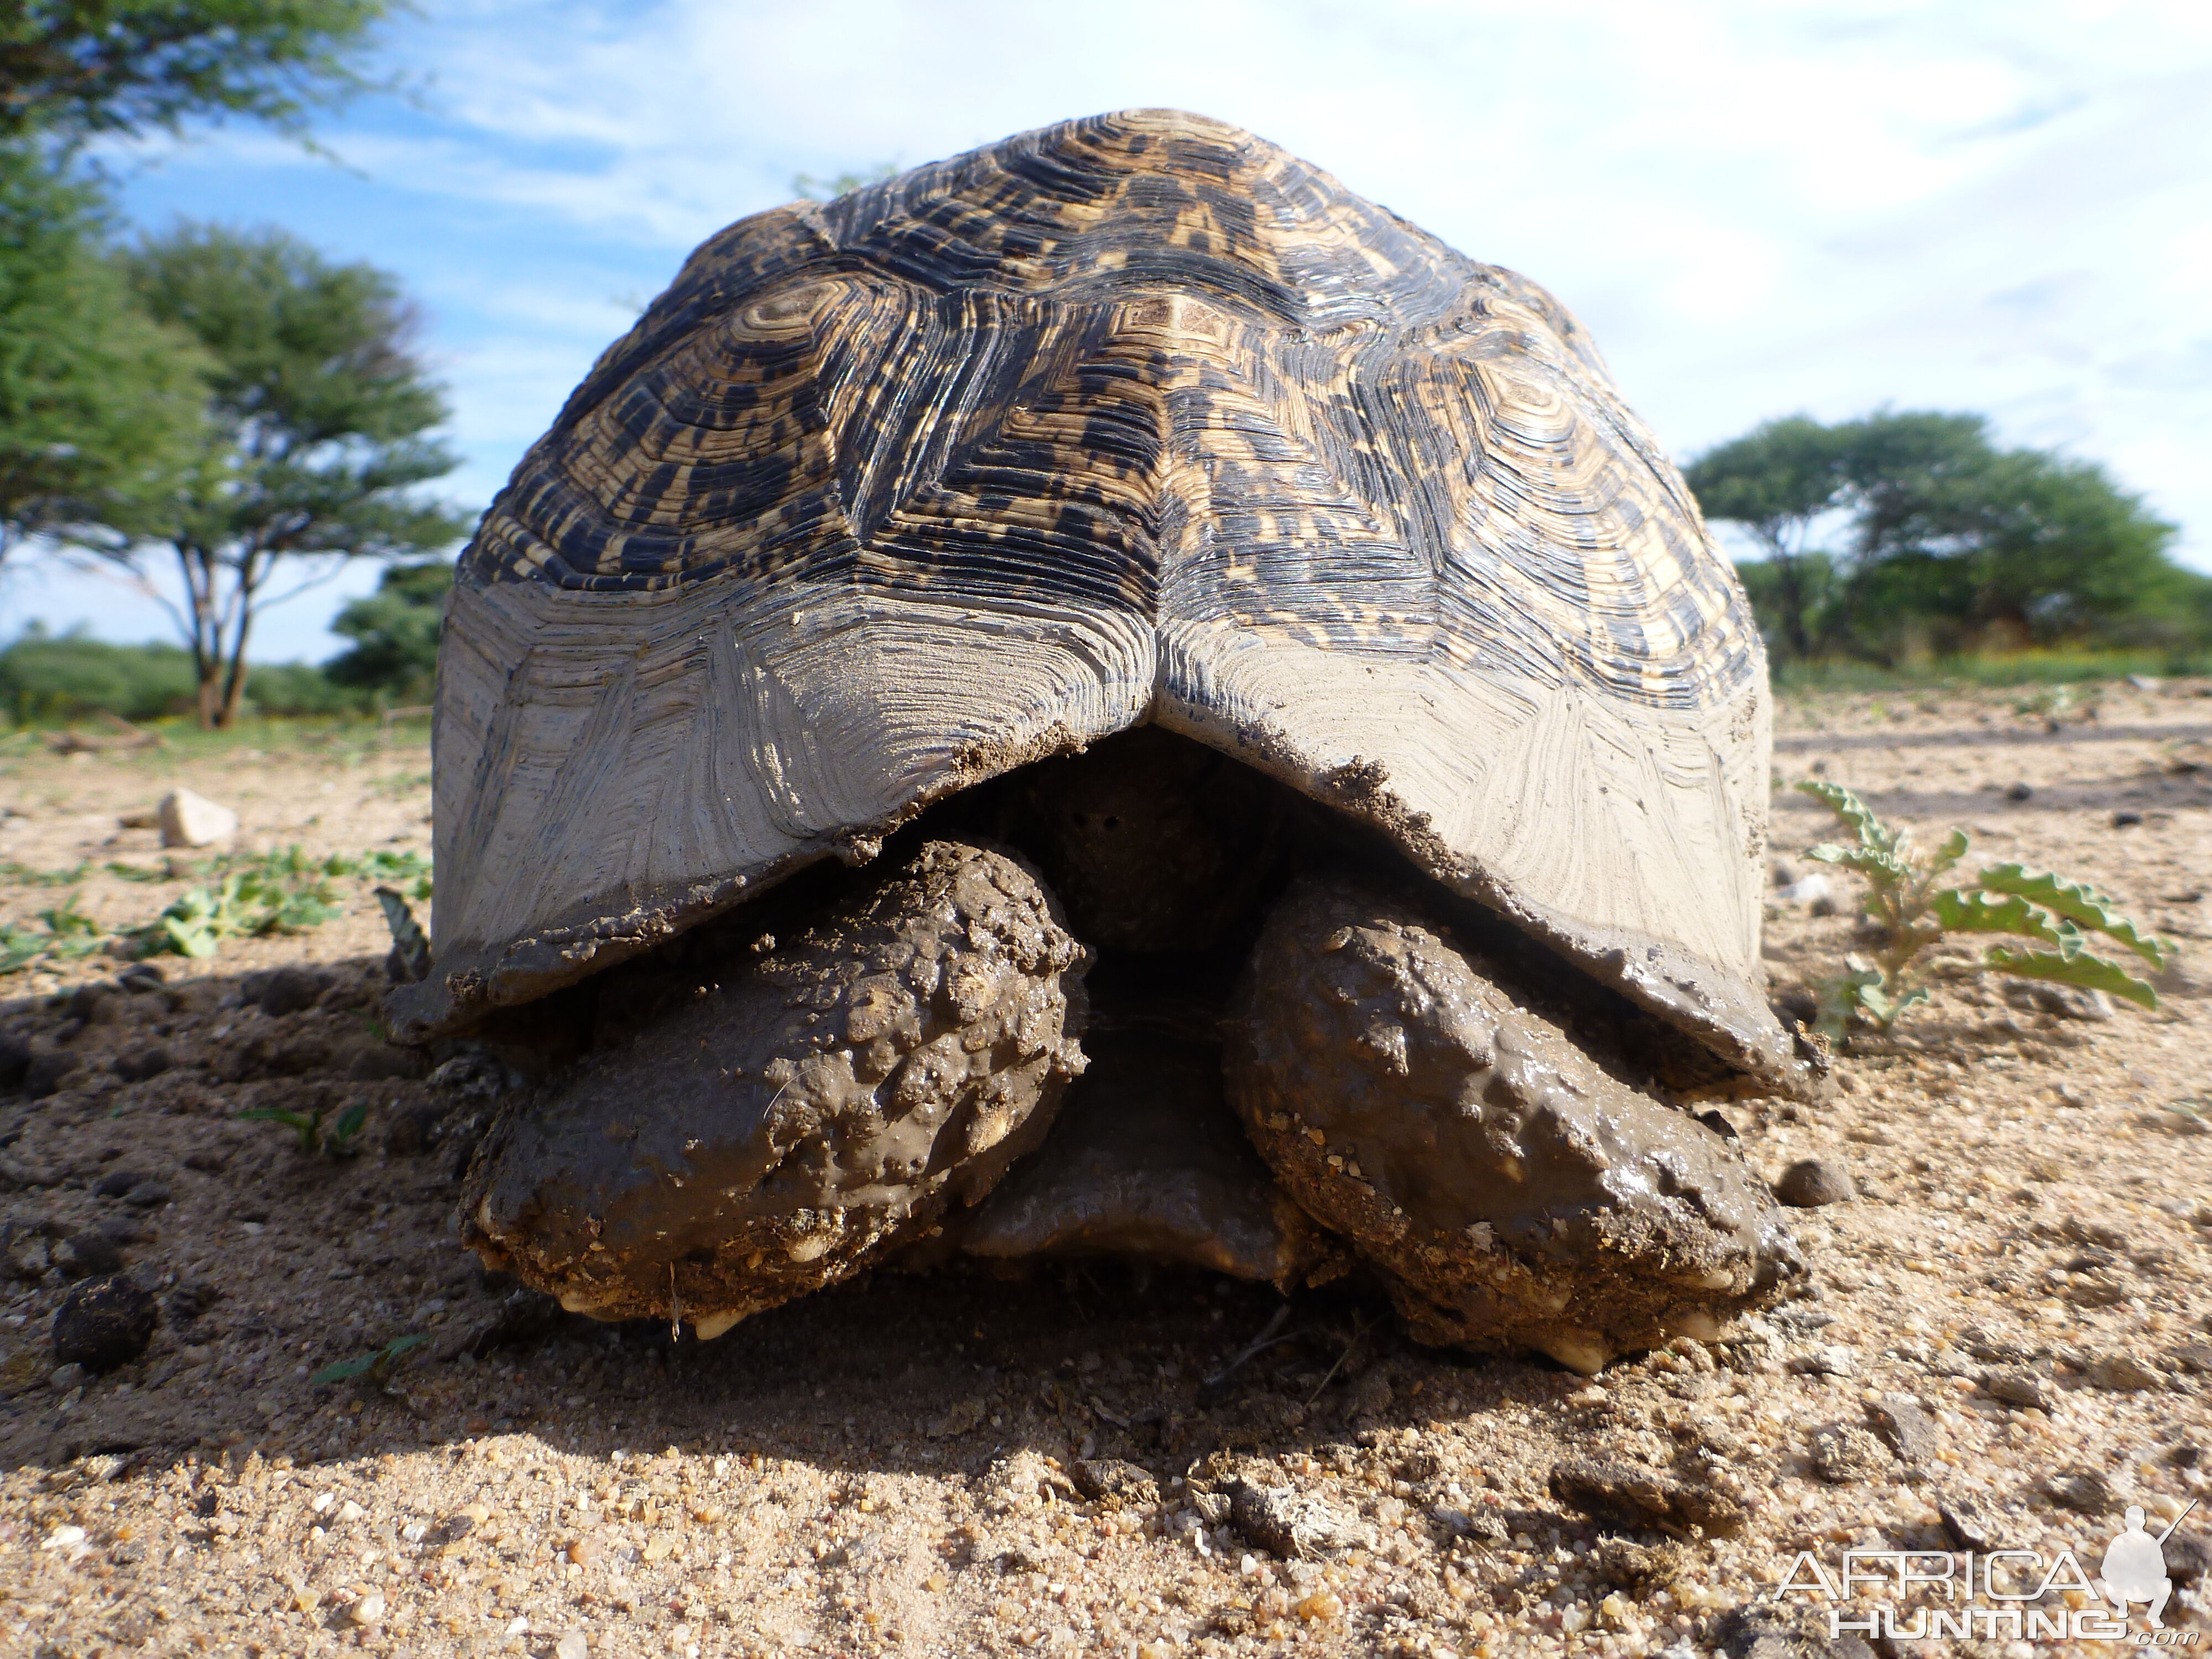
191,820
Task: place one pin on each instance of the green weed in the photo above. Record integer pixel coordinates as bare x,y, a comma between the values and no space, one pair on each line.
235,896
373,1368
22,875
336,1138
271,893
1915,903
68,934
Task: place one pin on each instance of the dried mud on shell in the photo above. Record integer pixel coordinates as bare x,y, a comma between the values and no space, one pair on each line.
2007,1326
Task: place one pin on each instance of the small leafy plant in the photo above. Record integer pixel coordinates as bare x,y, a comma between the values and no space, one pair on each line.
1915,899
282,892
373,1368
336,1138
236,895
68,934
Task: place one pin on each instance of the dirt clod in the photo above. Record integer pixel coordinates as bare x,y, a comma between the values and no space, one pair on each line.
1114,1482
1291,1524
1631,1495
104,1323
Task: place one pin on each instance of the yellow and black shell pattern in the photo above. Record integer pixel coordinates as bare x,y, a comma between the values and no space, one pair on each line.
1134,418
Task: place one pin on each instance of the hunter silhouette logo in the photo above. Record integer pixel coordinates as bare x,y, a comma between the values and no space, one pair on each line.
1998,1594
2135,1567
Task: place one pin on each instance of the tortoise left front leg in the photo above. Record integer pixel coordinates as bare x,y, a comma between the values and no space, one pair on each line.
1512,1193
782,1131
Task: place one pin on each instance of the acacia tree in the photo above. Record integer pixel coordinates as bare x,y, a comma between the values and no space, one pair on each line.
1932,530
101,407
318,414
72,68
1778,482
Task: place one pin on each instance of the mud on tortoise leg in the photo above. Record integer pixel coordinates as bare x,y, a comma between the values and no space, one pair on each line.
1511,1192
818,1110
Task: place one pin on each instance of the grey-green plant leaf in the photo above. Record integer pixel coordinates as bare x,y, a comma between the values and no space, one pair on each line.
2078,902
1961,911
1842,999
1870,830
1948,852
1867,861
2081,968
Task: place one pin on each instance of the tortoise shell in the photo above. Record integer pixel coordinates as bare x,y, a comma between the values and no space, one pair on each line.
1136,418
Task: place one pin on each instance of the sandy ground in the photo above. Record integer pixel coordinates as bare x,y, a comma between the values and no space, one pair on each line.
2008,1327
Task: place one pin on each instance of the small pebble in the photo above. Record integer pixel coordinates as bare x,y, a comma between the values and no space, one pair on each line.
86,1255
572,1645
2084,1491
1911,1432
2018,1388
1813,1182
2122,1373
1972,1522
1843,1454
366,1611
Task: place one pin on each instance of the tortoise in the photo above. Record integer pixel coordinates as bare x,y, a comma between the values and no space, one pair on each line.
1109,695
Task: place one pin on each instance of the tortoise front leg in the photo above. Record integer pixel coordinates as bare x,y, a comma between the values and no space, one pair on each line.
1512,1193
786,1128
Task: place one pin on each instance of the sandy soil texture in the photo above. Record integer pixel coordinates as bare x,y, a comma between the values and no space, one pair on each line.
2003,1344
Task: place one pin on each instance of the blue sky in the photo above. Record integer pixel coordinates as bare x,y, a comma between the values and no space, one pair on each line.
1758,207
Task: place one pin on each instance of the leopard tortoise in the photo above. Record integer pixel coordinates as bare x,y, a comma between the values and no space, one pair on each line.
1109,695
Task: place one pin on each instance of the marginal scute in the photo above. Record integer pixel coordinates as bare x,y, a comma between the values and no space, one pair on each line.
1508,1190
1136,418
773,1157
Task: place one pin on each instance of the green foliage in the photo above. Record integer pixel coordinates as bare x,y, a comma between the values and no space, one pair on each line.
1902,536
72,68
318,410
254,896
46,677
1914,908
375,1367
395,632
68,935
18,874
336,1138
101,407
234,896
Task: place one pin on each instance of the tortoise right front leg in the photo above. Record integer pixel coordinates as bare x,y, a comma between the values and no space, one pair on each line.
779,1132
1511,1192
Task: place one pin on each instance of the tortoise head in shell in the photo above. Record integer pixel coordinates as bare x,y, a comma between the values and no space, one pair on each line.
1132,470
